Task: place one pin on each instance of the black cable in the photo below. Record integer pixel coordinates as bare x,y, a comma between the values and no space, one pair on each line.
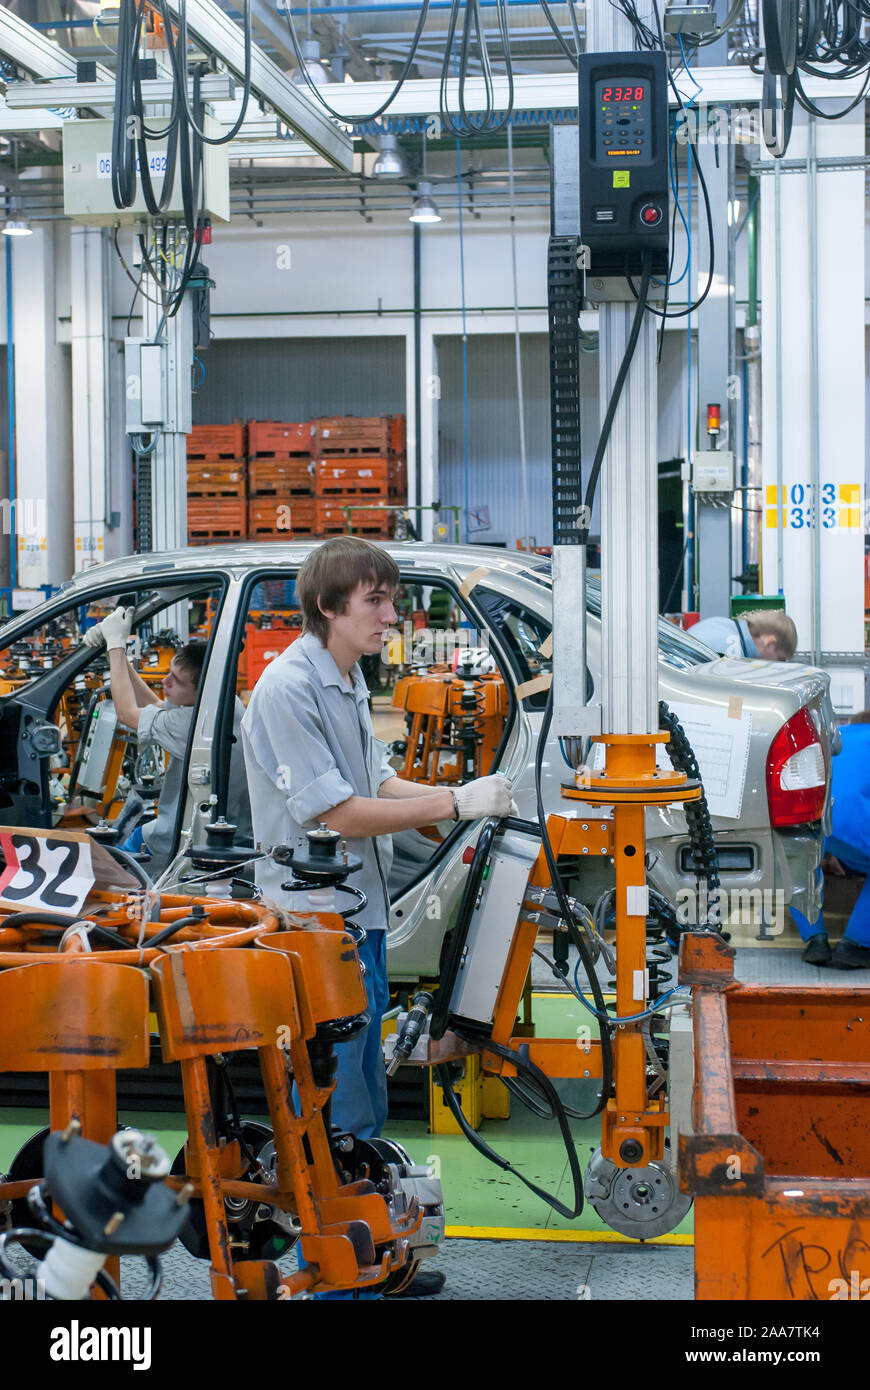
677,574
560,39
178,55
650,41
162,936
568,917
682,757
123,163
526,1065
315,89
615,395
808,105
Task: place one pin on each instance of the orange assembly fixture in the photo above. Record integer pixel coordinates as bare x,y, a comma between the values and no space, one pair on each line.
778,1160
446,714
80,1014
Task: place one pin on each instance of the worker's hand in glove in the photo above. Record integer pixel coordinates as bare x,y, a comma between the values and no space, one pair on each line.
486,796
112,631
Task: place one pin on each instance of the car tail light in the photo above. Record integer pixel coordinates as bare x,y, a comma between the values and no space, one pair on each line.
796,775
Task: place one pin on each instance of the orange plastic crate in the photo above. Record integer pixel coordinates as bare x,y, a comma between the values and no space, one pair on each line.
398,481
277,477
340,435
352,477
332,520
272,519
215,518
217,441
278,438
398,434
216,478
262,645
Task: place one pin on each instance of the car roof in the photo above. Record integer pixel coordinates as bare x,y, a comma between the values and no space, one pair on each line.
253,554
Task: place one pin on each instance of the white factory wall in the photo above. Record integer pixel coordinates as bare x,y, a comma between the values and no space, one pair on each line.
339,279
494,483
366,268
298,379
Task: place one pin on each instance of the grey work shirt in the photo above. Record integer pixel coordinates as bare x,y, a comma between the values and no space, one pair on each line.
168,726
309,746
727,636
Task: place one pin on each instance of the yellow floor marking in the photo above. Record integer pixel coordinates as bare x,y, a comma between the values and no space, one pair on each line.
523,1233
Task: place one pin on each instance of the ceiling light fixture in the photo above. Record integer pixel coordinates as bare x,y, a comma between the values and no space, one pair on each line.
318,74
16,223
390,163
424,209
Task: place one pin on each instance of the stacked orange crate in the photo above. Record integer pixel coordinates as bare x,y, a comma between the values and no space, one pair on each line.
280,504
355,464
216,476
398,459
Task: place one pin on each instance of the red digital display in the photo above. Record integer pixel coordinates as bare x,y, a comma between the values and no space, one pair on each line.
628,93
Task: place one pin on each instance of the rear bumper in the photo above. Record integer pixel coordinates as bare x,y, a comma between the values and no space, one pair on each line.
786,873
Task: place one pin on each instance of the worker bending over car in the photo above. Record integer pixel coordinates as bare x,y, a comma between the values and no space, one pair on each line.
166,723
312,757
766,633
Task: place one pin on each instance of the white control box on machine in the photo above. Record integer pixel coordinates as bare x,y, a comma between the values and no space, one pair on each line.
713,471
97,750
491,929
87,177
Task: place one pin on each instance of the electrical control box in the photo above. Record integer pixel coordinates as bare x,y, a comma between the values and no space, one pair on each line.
491,929
87,177
624,201
713,471
145,385
98,747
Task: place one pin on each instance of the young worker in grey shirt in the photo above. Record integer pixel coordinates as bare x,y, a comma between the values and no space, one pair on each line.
311,756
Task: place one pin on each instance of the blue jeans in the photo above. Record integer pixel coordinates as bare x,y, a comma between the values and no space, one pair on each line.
134,844
854,862
359,1101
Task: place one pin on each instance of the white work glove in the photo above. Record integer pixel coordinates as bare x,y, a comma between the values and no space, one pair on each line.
112,631
486,796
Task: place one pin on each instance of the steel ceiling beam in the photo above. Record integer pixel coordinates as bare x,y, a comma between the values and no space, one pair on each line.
224,37
27,96
32,51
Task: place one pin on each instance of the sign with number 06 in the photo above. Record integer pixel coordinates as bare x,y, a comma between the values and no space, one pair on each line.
55,875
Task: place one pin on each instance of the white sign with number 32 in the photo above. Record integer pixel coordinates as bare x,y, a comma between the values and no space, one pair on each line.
55,875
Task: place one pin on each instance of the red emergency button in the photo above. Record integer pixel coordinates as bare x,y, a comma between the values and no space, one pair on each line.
468,854
651,214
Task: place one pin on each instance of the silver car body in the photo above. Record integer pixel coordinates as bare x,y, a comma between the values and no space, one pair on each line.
769,859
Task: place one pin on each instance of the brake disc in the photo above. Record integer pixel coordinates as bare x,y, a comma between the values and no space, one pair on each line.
385,1163
257,1230
27,1163
639,1202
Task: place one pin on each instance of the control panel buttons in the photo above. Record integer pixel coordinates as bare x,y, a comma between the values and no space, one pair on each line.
651,214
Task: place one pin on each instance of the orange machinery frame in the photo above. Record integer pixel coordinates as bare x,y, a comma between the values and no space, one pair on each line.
629,782
431,701
82,1015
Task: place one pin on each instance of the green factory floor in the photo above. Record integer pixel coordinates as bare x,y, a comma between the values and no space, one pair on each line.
481,1200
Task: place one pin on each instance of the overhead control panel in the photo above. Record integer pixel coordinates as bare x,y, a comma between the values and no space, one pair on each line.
624,204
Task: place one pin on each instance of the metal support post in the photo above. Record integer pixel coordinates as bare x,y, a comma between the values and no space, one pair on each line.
89,336
715,320
629,483
169,456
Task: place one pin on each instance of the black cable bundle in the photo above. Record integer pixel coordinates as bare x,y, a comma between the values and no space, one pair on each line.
682,756
465,126
129,131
